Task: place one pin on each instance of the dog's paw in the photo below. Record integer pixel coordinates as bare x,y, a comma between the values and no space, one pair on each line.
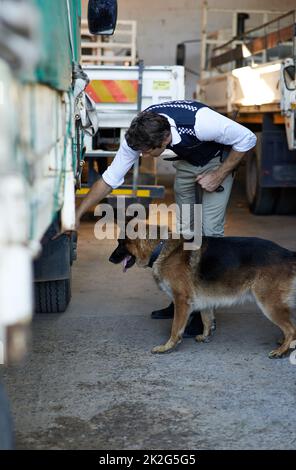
165,348
277,354
202,339
161,349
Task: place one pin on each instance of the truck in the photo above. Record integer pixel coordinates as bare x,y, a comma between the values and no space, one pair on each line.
119,93
44,114
249,75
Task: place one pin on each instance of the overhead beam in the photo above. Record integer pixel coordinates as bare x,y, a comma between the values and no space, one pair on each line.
255,46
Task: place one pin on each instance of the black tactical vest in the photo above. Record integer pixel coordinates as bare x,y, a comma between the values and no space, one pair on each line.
195,151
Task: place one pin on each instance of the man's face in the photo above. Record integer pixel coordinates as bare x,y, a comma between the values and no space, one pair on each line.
158,150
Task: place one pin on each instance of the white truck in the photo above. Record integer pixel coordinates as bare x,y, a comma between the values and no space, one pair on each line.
42,113
119,93
251,78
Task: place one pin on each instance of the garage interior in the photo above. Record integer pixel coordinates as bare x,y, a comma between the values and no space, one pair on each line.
89,380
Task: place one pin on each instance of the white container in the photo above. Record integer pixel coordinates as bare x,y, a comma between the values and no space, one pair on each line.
160,84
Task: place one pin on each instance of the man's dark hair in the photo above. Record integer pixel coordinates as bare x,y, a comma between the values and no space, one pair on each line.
147,131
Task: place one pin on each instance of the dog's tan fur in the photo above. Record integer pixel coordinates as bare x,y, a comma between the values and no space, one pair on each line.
176,272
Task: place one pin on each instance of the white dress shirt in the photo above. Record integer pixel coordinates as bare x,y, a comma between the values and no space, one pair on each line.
209,126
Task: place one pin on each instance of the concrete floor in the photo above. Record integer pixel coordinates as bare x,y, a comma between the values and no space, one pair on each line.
90,381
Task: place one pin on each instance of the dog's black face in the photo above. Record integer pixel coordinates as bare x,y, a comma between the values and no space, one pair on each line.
122,255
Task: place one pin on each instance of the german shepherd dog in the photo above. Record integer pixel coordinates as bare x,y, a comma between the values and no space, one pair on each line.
223,272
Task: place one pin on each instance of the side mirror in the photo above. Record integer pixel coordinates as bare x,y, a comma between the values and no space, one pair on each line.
181,54
102,16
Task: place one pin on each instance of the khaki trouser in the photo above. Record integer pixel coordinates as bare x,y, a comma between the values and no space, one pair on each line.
213,204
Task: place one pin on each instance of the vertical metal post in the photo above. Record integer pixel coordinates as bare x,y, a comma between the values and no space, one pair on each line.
234,24
139,107
264,53
204,18
294,41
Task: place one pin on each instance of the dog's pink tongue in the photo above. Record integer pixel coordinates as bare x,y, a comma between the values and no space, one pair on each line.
124,263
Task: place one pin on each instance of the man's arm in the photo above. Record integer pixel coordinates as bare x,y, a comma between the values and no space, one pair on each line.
112,178
212,180
98,191
212,126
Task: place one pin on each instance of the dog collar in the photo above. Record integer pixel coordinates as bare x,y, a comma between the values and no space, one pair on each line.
155,253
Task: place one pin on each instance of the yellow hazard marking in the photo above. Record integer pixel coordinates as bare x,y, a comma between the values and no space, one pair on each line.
129,90
128,192
102,92
161,85
114,91
118,192
82,191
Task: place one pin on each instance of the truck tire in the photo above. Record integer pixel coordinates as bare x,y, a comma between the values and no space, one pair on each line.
52,271
286,202
6,427
73,247
261,200
52,296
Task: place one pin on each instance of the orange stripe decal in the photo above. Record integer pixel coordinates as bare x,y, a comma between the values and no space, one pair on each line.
91,92
134,83
113,91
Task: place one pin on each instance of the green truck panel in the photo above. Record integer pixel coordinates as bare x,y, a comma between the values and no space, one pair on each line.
55,66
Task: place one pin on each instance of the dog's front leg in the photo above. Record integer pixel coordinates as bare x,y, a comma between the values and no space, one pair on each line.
181,314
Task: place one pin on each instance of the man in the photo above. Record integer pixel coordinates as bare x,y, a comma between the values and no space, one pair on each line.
198,136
